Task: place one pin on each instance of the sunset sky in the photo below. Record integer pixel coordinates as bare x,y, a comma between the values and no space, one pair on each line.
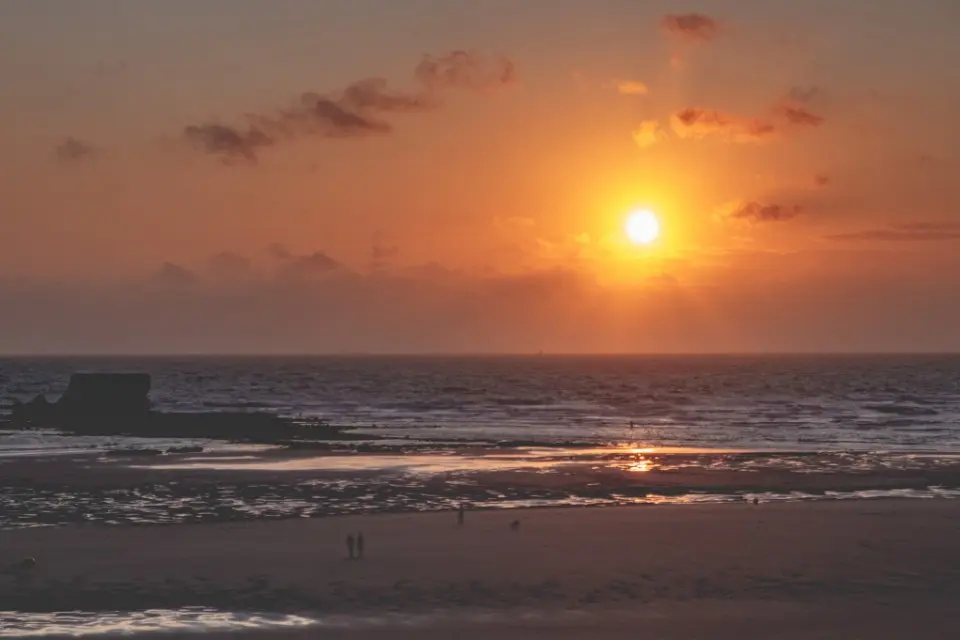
303,176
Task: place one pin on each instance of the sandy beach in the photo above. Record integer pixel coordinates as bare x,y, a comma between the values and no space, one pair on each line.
842,569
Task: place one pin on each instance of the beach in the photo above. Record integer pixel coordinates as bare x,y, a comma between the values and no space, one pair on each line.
632,483
827,569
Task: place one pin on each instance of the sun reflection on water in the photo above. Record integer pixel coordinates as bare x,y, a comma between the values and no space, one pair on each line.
642,463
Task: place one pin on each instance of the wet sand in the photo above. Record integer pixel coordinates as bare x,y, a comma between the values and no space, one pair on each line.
884,569
277,484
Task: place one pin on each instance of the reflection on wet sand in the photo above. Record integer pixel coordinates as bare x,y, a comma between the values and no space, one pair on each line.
227,486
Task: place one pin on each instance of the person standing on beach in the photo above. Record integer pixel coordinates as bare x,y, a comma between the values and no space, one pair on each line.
360,545
460,514
350,545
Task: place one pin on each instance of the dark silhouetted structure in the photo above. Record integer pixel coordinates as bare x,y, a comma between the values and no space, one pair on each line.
119,404
106,395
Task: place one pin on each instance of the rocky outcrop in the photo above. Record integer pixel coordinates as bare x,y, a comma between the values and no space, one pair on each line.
106,395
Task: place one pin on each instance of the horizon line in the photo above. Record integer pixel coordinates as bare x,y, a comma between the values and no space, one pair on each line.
467,354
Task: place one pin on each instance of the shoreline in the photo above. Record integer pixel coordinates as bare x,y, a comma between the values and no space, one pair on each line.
844,557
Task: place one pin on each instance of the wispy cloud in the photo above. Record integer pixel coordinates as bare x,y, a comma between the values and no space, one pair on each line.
356,111
795,107
691,26
756,212
464,70
73,150
911,232
697,123
228,142
175,275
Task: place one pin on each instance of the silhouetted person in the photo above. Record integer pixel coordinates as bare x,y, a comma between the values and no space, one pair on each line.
350,545
756,501
515,525
460,514
360,545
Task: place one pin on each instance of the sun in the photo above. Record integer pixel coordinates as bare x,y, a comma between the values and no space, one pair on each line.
642,227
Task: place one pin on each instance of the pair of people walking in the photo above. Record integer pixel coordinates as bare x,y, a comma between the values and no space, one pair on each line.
355,546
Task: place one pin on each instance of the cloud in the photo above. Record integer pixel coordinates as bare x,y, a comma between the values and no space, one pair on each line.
631,88
465,70
691,26
795,107
756,212
374,93
381,255
175,275
356,111
911,232
308,265
228,142
342,122
695,123
821,179
279,251
648,133
73,150
229,265
795,114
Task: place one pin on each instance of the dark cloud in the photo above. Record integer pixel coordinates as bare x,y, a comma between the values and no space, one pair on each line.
804,95
693,26
696,123
757,212
374,93
228,142
796,114
73,150
795,107
912,232
172,274
381,254
355,111
342,122
228,265
309,265
465,70
279,251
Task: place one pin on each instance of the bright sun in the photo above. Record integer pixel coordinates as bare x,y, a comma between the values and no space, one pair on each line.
642,227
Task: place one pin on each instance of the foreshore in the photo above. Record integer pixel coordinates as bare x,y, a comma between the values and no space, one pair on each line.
887,569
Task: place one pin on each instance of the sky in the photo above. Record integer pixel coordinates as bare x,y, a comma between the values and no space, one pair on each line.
427,176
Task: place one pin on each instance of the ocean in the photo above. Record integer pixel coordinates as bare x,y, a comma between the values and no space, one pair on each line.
496,432
822,403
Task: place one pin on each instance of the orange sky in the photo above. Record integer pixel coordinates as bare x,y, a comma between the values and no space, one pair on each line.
236,182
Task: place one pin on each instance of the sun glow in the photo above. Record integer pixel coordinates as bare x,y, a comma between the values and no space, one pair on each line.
642,227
